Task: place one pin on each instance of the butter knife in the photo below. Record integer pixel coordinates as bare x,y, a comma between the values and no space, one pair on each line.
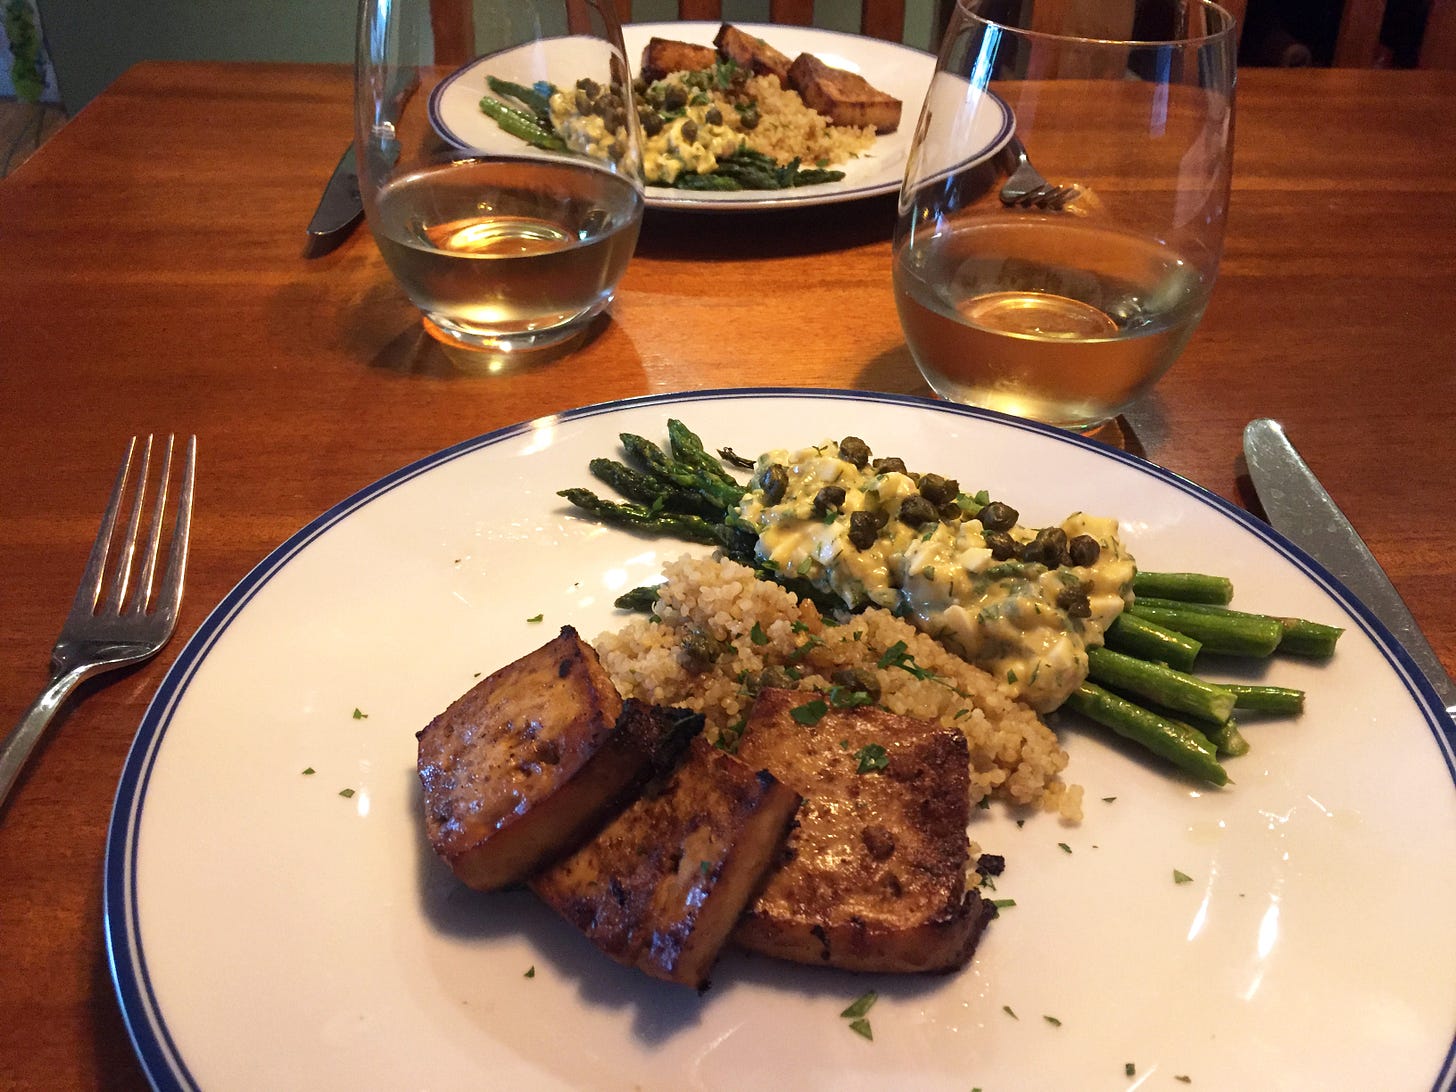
1300,509
339,209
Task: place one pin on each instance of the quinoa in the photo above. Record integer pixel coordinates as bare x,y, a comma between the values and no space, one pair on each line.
787,129
719,633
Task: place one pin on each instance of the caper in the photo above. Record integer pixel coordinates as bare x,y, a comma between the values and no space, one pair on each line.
938,490
773,480
916,511
949,512
1084,550
1002,546
701,648
998,517
831,497
689,131
714,116
589,85
675,97
857,680
651,123
864,528
1048,548
582,103
855,451
889,465
1074,600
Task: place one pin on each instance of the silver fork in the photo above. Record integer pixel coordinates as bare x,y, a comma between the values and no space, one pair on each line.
1027,189
103,635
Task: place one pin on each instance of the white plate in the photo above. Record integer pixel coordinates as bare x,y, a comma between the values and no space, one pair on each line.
896,69
267,932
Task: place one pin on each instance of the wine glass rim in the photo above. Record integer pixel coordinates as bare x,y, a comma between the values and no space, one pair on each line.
1226,30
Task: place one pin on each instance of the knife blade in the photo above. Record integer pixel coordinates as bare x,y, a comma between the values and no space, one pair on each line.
339,209
1300,509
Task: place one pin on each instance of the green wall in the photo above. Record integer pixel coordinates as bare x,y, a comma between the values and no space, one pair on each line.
91,42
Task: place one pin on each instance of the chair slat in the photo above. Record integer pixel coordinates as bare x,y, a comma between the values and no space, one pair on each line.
883,19
798,13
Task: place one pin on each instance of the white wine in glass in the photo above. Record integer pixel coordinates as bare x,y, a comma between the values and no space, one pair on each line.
1069,310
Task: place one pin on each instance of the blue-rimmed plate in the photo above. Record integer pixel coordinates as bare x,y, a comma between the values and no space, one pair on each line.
276,920
895,69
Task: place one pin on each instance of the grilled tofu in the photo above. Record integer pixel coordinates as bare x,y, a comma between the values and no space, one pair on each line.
874,873
752,53
532,760
662,885
662,55
845,98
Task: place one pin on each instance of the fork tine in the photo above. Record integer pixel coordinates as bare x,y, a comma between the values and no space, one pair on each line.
142,591
90,587
121,570
170,594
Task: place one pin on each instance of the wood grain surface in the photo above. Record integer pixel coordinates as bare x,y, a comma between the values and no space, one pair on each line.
154,279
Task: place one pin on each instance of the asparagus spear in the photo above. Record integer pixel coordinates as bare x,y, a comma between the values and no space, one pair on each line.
1183,746
1149,641
1296,636
1162,685
1235,634
642,518
1186,587
649,490
521,124
1267,699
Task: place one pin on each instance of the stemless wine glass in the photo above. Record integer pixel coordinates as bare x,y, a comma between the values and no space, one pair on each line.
1065,303
499,162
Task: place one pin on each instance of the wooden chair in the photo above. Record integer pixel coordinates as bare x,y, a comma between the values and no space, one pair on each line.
877,18
1358,43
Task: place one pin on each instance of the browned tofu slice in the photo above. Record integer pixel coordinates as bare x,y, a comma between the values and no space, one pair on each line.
531,761
845,98
874,875
662,885
752,53
662,55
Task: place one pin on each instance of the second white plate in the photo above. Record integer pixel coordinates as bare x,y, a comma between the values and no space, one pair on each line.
896,69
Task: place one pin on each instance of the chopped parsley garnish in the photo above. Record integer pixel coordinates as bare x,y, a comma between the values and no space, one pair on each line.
705,867
346,793
1108,799
799,627
1064,847
757,635
843,697
360,714
530,971
1129,1069
862,1027
1183,1077
810,713
308,771
803,650
1002,904
871,757
1009,1011
1181,877
860,1005
535,618
728,738
1053,1021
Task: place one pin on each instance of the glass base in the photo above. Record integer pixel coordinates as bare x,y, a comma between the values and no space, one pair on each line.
475,340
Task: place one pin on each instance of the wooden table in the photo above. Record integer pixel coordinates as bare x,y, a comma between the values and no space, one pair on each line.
152,279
